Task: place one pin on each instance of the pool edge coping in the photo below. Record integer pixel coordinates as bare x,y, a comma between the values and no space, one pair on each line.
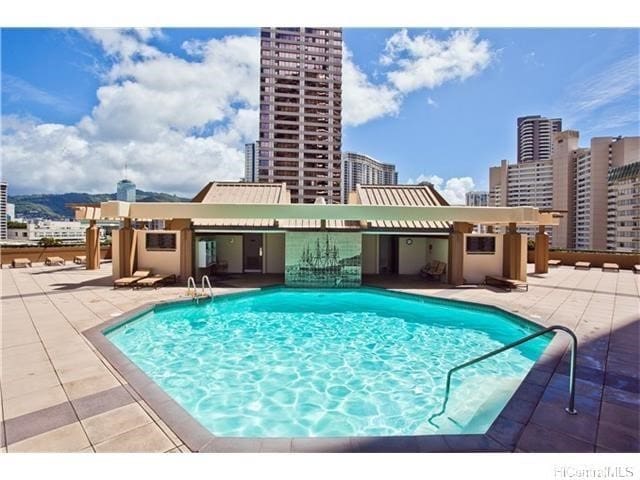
198,439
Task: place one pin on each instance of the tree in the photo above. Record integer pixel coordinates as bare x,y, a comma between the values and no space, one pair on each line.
49,242
12,224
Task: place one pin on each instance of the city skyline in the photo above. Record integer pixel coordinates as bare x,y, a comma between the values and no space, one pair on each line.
154,98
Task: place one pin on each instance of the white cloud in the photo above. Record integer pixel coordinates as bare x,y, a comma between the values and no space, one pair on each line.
423,61
178,123
431,102
453,190
362,100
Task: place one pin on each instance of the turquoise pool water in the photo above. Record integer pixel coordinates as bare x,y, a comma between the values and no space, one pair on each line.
312,363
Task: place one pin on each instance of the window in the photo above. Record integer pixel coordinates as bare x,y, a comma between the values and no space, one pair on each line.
160,241
481,245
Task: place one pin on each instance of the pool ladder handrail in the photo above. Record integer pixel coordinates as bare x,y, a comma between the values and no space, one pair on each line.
192,281
205,279
572,369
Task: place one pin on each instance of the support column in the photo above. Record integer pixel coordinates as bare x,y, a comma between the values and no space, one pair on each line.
127,245
185,237
92,246
542,251
514,255
455,268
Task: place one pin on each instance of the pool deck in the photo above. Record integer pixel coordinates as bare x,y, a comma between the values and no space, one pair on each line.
59,394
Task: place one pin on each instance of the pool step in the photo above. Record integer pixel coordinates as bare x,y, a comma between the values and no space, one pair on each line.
463,416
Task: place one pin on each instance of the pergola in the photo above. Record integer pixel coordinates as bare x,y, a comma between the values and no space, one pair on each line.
463,219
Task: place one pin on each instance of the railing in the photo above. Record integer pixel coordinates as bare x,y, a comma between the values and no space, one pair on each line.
572,369
192,281
205,279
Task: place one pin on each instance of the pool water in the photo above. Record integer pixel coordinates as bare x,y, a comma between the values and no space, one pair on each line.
313,363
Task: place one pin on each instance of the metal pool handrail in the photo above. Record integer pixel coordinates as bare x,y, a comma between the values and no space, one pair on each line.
205,279
572,378
192,281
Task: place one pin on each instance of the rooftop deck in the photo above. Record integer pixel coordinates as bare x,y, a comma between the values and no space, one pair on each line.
59,394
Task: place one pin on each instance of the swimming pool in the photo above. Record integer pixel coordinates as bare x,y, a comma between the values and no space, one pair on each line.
317,363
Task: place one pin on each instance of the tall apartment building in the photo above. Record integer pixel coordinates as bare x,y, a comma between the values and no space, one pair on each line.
524,184
250,162
521,184
623,220
358,168
477,199
581,187
126,191
3,210
535,143
301,111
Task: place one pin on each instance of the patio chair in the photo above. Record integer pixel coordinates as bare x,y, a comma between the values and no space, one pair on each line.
80,259
555,263
586,265
155,281
435,271
20,263
55,261
613,267
130,281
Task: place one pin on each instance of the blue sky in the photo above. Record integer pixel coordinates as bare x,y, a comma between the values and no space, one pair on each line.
178,104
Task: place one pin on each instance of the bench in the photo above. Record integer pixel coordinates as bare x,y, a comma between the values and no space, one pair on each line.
20,263
55,261
586,265
506,283
614,267
555,263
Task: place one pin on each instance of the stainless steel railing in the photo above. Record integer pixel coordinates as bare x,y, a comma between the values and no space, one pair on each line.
572,368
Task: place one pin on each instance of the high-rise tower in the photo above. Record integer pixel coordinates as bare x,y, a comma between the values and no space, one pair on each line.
301,111
535,137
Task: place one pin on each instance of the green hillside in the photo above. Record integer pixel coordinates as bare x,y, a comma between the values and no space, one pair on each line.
52,206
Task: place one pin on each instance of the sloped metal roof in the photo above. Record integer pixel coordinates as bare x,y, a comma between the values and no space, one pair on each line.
423,195
241,193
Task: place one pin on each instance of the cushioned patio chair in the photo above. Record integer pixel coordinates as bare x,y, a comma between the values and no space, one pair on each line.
130,281
155,281
55,261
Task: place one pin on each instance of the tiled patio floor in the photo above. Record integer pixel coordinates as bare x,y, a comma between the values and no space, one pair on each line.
59,394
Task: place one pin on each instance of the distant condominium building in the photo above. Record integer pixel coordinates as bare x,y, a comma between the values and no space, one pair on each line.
300,127
477,199
535,137
581,187
65,232
250,162
520,185
623,221
358,168
126,191
3,210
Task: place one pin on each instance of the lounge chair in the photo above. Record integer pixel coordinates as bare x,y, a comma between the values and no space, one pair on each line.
155,281
586,265
614,267
636,268
130,281
20,263
80,259
505,283
555,263
55,261
433,270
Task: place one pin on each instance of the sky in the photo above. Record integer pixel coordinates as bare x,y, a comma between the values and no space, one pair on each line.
177,105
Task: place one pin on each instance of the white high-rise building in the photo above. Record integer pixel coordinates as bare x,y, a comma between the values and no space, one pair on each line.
3,210
477,199
250,162
358,168
126,191
623,222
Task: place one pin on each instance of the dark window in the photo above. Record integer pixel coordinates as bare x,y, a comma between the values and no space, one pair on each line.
477,244
160,241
